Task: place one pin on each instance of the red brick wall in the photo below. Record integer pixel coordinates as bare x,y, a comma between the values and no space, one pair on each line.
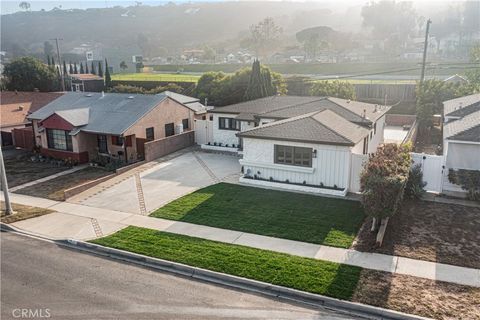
81,157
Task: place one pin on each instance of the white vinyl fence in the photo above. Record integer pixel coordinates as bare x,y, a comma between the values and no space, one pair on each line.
356,168
432,168
203,131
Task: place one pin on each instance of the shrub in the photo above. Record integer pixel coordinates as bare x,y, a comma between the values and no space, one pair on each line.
469,180
384,178
415,184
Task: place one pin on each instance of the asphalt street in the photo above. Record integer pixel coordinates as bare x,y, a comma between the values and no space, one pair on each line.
45,281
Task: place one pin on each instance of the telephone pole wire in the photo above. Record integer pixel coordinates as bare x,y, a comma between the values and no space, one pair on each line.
425,47
60,63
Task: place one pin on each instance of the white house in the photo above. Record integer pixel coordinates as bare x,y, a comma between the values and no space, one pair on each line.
461,136
300,143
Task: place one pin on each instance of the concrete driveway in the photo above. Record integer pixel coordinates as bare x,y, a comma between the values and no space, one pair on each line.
164,182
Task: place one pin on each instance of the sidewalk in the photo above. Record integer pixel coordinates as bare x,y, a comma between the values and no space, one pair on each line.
83,222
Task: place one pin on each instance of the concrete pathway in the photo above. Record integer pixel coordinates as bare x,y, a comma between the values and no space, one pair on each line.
53,176
83,222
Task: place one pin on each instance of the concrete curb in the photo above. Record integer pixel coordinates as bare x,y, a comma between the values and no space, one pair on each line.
357,309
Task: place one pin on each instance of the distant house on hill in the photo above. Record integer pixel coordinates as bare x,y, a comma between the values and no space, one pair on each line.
86,83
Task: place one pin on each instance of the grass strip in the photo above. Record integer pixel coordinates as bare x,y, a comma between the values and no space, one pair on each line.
316,276
294,216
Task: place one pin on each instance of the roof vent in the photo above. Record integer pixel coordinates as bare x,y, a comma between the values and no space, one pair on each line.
348,101
20,108
376,108
131,97
88,95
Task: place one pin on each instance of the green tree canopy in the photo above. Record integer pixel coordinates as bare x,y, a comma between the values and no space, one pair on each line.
108,78
335,88
28,74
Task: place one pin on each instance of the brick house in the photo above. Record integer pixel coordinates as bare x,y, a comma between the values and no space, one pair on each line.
85,126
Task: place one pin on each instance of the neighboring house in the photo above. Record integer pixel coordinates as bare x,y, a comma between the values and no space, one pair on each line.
456,79
15,108
192,103
85,126
300,143
461,133
86,83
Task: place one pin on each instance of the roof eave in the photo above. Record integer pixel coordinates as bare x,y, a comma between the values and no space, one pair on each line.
343,144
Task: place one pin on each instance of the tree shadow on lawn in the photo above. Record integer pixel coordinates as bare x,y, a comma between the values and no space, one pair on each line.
429,231
273,213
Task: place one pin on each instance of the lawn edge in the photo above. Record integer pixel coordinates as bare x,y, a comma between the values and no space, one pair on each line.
264,288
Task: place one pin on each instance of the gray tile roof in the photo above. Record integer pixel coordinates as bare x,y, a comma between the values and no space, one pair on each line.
465,129
453,105
190,102
112,113
282,107
323,127
264,105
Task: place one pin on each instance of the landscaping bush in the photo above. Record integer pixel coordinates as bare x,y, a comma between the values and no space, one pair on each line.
469,180
415,184
383,180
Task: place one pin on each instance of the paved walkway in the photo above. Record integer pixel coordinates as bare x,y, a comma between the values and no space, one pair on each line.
53,176
83,222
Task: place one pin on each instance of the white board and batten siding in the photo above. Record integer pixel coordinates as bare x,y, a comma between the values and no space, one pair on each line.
356,167
330,167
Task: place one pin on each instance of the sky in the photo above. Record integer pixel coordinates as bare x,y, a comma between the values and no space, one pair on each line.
8,6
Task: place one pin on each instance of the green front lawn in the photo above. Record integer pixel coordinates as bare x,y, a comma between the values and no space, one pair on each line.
321,277
288,215
164,77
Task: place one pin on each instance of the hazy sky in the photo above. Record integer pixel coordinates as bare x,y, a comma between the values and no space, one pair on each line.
36,5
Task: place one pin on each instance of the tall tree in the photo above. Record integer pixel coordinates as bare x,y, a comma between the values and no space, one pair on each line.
123,66
70,69
64,68
75,70
314,39
264,36
82,71
86,68
48,61
28,74
100,71
108,79
48,49
24,5
52,64
92,69
260,83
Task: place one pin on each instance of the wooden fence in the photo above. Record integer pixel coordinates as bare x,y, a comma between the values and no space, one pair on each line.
393,93
23,138
161,147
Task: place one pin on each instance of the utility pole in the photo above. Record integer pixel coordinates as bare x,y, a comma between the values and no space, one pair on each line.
8,205
425,47
60,63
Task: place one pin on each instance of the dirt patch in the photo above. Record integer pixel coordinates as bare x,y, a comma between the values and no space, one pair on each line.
53,189
423,230
21,170
22,212
418,296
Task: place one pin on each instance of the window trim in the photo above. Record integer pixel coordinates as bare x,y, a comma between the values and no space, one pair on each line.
172,131
102,138
233,124
147,130
294,150
51,139
186,120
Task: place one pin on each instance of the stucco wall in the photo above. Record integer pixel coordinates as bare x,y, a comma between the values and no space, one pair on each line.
166,112
224,136
330,167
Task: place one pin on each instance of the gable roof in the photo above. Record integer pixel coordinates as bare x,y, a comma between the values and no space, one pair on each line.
465,129
180,97
282,107
461,106
76,117
111,113
323,127
16,106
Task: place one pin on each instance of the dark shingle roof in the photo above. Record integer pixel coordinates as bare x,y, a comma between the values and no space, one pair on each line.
263,105
453,105
112,113
465,129
324,127
282,107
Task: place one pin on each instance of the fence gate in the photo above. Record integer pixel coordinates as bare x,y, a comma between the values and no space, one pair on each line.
355,170
432,168
203,131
